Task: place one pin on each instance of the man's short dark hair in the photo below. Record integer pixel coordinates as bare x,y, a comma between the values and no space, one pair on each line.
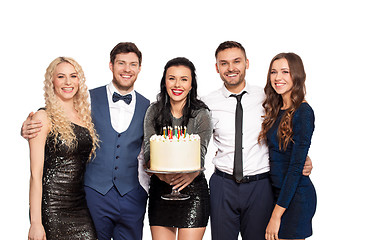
125,47
229,44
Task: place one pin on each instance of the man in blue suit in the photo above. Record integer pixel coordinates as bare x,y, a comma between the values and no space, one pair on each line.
115,197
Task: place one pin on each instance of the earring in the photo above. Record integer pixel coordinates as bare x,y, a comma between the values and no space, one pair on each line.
189,99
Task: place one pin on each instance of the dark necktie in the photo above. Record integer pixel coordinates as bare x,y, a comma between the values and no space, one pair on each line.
126,98
237,165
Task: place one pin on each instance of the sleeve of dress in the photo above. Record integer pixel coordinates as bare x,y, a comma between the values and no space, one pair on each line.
203,127
148,131
143,177
303,127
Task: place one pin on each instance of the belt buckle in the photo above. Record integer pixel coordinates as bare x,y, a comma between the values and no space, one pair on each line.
246,179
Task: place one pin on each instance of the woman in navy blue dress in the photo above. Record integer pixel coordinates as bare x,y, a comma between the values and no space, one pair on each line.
287,128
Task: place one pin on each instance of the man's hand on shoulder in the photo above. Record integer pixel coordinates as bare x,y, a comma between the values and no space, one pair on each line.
308,167
31,127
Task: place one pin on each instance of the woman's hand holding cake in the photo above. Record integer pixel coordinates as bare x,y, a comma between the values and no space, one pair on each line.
181,180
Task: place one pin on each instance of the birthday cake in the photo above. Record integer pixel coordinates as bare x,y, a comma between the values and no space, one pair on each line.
175,151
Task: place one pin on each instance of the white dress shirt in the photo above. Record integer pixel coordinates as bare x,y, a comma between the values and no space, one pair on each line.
121,115
223,110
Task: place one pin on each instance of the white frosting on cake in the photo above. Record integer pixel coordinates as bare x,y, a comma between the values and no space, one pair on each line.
175,155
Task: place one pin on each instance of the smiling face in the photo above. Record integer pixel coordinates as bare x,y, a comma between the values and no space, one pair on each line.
125,71
66,81
231,66
178,82
280,78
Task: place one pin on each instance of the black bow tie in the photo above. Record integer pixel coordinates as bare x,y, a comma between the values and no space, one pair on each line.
126,98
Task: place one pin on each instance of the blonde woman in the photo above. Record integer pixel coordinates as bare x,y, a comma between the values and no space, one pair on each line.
59,154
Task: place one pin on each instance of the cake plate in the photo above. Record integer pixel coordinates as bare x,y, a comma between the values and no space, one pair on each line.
175,194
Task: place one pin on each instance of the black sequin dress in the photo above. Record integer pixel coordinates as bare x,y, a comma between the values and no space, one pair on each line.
64,209
193,212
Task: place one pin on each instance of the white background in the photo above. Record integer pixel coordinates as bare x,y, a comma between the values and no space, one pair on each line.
330,36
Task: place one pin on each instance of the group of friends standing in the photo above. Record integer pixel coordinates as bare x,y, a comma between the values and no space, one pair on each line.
88,152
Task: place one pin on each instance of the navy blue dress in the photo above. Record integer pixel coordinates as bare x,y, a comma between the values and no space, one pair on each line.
293,191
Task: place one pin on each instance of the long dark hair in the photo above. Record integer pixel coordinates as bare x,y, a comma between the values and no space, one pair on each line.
163,107
273,101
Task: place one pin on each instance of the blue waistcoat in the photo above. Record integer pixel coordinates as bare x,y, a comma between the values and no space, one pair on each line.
116,162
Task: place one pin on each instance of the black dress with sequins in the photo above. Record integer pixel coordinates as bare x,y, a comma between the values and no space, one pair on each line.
64,209
193,212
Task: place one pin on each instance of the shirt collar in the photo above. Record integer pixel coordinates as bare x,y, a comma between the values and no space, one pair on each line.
112,89
227,93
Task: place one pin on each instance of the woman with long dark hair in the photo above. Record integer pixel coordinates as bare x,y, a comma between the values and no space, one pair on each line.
177,105
287,129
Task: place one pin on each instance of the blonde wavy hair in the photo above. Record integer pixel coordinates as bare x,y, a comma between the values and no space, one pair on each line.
60,126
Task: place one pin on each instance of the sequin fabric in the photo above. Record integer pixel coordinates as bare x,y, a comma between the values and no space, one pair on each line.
64,209
191,213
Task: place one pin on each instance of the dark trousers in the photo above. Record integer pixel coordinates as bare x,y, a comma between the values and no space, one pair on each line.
120,217
239,207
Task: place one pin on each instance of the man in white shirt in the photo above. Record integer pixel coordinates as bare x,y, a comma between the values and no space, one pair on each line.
115,182
244,204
